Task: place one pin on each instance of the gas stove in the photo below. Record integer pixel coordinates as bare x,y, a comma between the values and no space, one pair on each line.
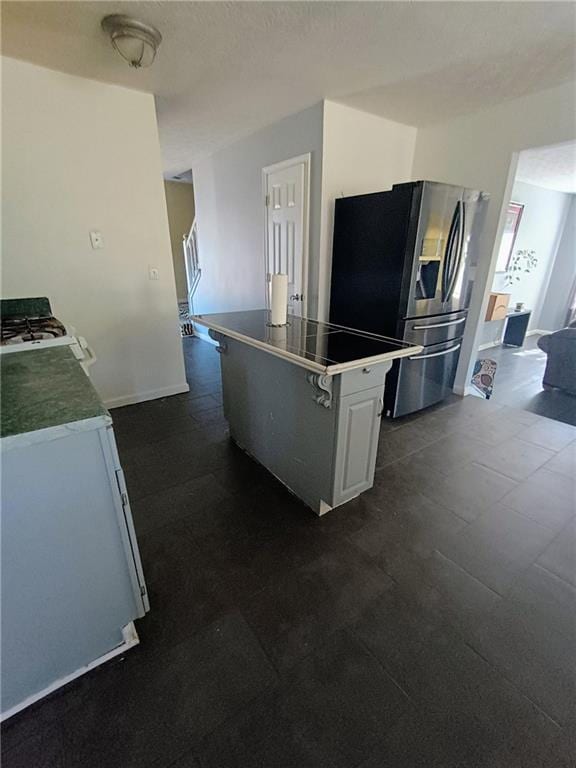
16,330
29,324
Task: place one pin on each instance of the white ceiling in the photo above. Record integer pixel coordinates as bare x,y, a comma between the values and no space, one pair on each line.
225,69
550,167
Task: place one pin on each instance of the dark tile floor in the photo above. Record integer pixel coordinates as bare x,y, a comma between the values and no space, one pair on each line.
518,382
430,622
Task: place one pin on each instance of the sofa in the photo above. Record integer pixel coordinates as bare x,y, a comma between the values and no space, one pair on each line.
560,348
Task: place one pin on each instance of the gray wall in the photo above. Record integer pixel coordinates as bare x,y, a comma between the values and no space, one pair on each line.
230,212
180,207
563,276
540,229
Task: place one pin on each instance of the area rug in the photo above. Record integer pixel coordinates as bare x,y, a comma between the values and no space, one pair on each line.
483,376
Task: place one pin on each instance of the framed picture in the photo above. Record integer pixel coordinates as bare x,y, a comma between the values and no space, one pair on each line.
513,216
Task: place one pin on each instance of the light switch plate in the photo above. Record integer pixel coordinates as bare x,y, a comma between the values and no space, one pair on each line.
96,239
153,273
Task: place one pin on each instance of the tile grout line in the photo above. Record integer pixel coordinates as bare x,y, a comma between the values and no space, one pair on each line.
382,667
470,575
513,685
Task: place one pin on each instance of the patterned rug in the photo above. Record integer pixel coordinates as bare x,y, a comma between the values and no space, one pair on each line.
186,326
483,376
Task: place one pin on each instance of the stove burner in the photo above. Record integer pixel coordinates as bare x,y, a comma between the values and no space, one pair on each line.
17,330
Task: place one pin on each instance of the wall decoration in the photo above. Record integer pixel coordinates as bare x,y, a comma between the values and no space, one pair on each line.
513,217
523,262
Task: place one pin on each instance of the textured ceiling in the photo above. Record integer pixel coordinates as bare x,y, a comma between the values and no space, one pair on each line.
226,69
549,167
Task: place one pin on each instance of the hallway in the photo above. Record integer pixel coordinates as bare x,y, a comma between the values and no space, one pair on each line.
518,382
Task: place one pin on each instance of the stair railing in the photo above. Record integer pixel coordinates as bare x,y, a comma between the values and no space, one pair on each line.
191,261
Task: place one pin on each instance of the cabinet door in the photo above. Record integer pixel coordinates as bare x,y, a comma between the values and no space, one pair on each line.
356,443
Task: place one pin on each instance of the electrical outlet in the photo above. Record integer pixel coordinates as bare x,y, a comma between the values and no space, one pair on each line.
97,240
153,273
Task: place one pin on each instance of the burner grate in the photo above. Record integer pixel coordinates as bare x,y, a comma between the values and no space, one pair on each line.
15,330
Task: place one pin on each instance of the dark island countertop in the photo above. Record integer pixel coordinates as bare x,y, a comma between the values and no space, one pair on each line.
43,389
324,348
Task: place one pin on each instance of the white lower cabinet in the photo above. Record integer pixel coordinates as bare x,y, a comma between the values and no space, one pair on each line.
72,580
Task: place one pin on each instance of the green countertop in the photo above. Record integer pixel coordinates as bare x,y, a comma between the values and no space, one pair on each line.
44,388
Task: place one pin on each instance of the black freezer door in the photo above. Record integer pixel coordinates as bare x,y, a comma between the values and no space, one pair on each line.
408,252
421,380
368,258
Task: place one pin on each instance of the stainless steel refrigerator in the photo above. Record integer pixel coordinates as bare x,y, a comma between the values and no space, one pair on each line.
403,265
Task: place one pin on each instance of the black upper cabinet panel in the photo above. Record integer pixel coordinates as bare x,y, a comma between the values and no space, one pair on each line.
370,240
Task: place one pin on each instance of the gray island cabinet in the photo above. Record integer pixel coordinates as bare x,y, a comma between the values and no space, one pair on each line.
305,399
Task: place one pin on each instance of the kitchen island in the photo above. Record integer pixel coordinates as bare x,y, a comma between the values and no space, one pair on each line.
305,399
72,581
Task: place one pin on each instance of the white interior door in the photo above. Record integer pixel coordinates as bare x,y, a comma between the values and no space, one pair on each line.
286,188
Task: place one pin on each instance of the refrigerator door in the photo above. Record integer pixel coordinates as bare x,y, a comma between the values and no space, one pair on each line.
422,380
369,258
438,239
435,329
446,249
460,278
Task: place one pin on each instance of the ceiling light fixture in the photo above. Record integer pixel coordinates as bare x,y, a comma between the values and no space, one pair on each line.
135,41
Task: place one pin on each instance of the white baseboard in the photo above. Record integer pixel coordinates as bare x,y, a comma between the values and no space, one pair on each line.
130,639
489,345
533,332
141,397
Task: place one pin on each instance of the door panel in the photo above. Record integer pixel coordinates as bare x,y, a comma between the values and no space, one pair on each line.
426,378
286,200
436,329
474,206
436,241
359,429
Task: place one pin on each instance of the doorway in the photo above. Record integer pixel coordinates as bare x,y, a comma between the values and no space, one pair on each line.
286,190
530,304
180,207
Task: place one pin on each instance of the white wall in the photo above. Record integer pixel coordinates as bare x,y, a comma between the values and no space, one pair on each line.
563,276
79,155
180,208
480,151
540,230
361,153
230,211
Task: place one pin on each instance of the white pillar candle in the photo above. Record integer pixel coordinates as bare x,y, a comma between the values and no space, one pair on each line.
279,301
278,336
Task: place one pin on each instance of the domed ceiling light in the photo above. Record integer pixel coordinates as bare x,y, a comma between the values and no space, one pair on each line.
135,41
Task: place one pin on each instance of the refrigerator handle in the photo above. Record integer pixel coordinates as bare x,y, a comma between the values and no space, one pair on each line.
459,253
438,325
446,266
435,354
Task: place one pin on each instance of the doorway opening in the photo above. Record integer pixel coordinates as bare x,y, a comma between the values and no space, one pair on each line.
531,305
179,190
